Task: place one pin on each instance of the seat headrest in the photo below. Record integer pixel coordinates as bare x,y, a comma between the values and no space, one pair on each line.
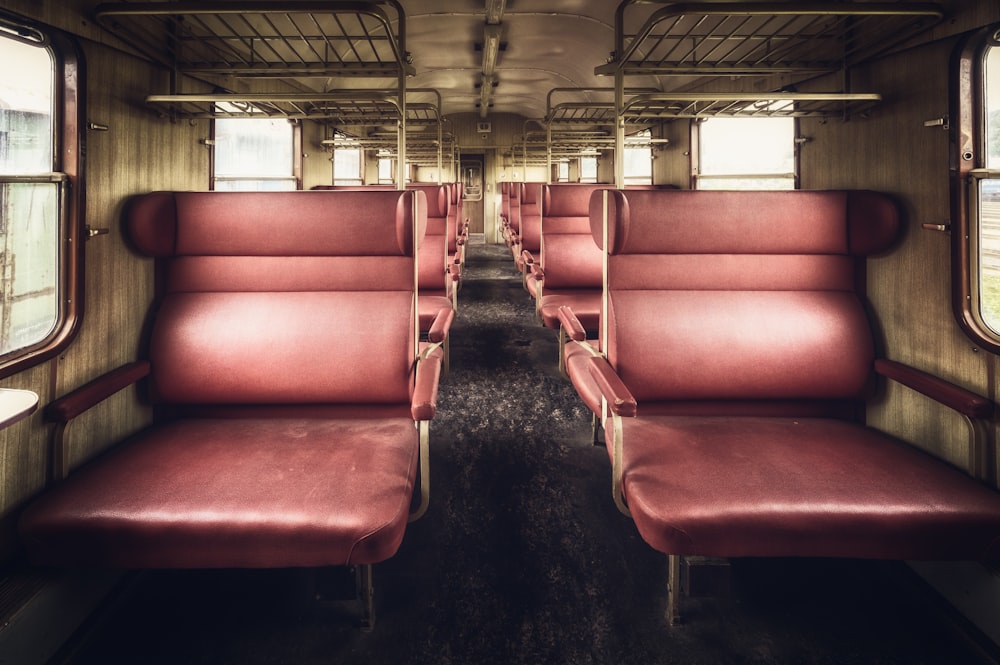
438,198
568,199
531,192
855,223
312,223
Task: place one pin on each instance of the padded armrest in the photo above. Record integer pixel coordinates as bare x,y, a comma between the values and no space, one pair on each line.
965,402
456,271
441,325
527,257
91,394
423,404
618,397
536,270
574,329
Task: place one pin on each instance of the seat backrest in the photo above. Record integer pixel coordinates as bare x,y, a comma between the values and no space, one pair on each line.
749,298
348,188
514,207
568,254
433,256
531,215
281,298
456,216
505,199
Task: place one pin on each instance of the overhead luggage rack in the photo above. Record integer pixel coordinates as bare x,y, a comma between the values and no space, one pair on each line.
333,108
735,39
293,39
775,44
297,38
582,113
770,105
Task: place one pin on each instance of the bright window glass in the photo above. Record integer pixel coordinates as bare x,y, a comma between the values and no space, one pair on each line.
986,205
347,166
386,167
746,153
254,154
31,194
588,169
639,163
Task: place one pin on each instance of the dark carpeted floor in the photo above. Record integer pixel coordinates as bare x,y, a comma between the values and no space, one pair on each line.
522,557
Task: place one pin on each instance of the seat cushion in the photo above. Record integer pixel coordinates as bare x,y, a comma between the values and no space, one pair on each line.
753,486
577,362
258,493
585,303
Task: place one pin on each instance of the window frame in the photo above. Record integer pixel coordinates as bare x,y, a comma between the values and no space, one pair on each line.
68,145
968,170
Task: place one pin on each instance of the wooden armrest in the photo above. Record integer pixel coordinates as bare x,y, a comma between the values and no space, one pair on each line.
74,403
574,329
955,397
423,403
441,325
617,395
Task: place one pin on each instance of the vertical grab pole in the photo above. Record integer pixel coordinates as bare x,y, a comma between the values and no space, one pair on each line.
619,128
605,300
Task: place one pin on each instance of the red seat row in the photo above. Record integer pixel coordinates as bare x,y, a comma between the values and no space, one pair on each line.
287,376
731,372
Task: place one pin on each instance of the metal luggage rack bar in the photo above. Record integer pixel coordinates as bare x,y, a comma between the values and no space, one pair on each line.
335,108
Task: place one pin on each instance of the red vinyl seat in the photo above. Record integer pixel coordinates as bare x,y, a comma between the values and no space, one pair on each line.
567,271
287,378
739,357
438,277
530,224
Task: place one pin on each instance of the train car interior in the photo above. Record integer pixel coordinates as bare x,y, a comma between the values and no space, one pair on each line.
500,332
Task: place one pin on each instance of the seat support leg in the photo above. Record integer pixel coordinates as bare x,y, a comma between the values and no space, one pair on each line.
366,595
673,614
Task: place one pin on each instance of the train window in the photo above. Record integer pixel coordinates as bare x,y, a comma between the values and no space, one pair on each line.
588,169
745,153
976,193
639,161
38,209
386,168
562,171
254,154
347,166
